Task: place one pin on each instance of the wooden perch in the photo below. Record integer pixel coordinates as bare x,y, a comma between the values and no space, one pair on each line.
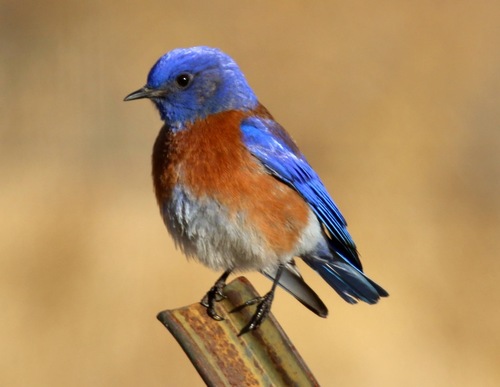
264,357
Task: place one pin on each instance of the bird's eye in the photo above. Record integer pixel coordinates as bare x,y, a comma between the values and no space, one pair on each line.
183,80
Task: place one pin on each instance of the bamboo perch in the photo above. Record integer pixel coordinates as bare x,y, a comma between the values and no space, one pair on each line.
264,357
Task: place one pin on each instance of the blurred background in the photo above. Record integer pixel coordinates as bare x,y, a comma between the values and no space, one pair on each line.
395,104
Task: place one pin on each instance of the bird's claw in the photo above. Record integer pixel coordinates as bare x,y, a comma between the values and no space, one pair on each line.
215,294
252,301
263,309
213,314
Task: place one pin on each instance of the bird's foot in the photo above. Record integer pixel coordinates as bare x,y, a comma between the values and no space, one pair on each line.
263,309
215,294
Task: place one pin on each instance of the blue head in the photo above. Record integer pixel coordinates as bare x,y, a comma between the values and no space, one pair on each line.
187,84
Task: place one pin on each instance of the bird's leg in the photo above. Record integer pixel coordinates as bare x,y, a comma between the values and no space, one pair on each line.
264,306
214,295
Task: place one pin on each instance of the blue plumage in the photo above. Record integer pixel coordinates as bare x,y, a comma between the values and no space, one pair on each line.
182,101
337,262
290,166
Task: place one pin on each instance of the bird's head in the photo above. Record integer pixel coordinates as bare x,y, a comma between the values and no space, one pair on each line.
187,84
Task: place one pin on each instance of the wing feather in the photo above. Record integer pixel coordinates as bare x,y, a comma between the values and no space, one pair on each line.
270,144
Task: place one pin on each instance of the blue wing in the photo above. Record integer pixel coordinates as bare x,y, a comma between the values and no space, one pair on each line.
269,143
340,266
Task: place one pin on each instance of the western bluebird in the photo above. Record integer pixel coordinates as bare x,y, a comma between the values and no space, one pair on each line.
234,190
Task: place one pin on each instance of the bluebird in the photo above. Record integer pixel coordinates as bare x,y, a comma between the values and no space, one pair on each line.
236,193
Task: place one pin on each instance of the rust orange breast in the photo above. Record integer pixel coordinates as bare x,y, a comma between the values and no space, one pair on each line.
210,160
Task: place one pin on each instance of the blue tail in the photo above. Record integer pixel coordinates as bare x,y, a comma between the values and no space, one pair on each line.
349,282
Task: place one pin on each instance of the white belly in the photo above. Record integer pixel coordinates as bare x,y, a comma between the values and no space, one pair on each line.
204,230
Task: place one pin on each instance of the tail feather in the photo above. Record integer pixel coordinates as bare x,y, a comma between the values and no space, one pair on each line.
350,283
292,282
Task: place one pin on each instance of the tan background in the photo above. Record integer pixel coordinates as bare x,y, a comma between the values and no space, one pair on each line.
396,104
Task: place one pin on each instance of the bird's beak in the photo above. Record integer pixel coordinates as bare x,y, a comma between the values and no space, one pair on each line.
143,92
